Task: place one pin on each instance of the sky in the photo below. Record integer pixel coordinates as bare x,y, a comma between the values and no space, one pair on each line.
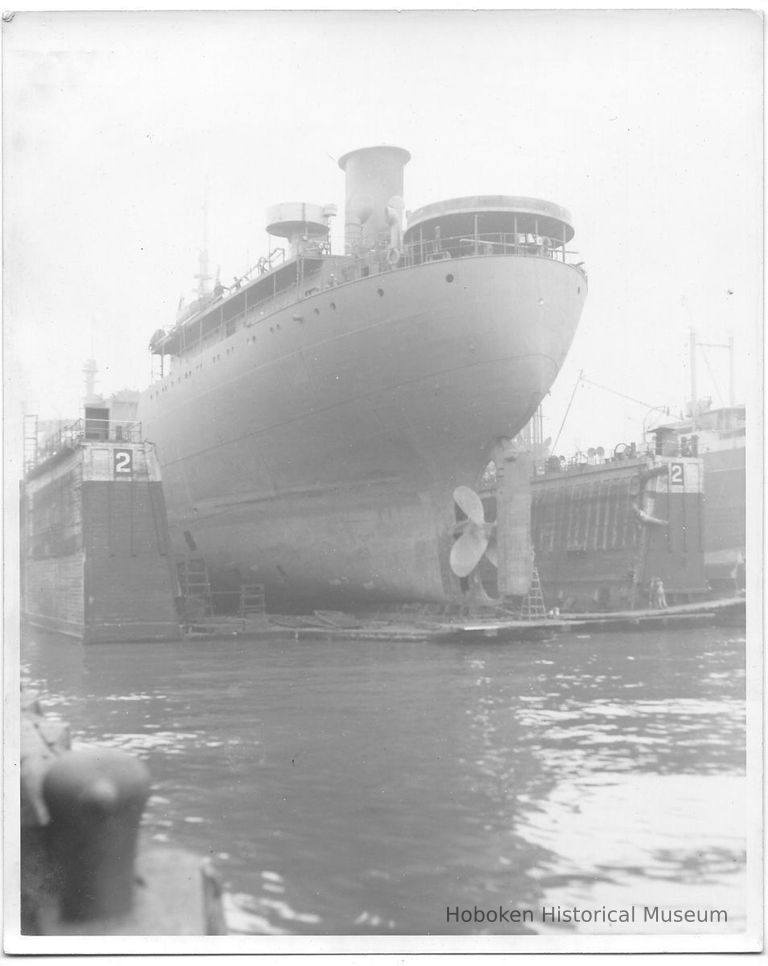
646,126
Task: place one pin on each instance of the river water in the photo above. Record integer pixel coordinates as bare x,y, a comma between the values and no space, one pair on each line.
368,788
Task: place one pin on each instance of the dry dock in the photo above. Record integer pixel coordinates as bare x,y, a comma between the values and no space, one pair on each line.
97,565
94,534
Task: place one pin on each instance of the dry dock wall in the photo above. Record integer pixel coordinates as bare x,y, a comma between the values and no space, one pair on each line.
95,550
53,559
601,533
725,498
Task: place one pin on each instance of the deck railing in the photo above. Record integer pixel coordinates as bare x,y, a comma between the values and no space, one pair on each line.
579,462
422,251
320,272
70,435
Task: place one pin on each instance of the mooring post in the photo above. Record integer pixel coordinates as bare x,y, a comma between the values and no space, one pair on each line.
95,799
85,869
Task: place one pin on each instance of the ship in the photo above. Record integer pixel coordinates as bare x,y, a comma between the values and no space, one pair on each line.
322,426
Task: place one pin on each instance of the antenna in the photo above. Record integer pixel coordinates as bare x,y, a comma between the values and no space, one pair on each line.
711,345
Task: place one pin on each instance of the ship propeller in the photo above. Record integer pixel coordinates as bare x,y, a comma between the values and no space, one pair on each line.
476,537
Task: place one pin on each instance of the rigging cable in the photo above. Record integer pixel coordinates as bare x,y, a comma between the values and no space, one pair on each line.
623,395
579,379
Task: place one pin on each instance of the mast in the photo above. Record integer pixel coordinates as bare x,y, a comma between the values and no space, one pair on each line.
89,372
203,276
693,379
538,428
731,381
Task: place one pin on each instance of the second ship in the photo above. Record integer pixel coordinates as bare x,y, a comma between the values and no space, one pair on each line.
323,427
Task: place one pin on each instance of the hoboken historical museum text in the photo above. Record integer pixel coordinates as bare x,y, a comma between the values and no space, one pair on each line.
455,915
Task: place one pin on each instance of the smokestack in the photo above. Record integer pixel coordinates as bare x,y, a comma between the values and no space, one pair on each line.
374,182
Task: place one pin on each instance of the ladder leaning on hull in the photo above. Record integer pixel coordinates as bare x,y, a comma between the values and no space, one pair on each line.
194,587
532,607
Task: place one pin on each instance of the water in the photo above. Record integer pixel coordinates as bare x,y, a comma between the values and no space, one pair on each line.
365,788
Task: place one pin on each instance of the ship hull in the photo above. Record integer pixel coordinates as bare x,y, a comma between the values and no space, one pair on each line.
316,449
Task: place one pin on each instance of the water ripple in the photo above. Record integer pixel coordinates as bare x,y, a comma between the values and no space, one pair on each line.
346,788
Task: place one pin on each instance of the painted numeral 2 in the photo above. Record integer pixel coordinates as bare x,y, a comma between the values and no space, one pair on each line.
123,462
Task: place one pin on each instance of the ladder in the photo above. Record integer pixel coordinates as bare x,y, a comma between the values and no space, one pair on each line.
532,607
194,583
252,599
30,441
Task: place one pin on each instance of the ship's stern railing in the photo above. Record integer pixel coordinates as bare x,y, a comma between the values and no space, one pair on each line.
423,251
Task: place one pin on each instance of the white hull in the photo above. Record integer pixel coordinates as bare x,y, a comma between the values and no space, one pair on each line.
317,448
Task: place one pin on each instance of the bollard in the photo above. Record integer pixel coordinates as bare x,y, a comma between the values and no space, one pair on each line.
83,871
95,799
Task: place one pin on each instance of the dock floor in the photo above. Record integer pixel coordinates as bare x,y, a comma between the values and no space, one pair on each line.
323,625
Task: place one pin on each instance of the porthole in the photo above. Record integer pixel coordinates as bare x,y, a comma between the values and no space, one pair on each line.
449,277
317,311
380,291
333,306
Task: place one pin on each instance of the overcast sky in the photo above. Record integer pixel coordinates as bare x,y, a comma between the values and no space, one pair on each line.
645,125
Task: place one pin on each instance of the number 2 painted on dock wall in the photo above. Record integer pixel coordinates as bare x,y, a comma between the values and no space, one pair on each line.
123,464
677,474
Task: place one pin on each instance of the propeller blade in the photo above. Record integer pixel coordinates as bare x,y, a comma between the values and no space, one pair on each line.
470,503
492,553
467,552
